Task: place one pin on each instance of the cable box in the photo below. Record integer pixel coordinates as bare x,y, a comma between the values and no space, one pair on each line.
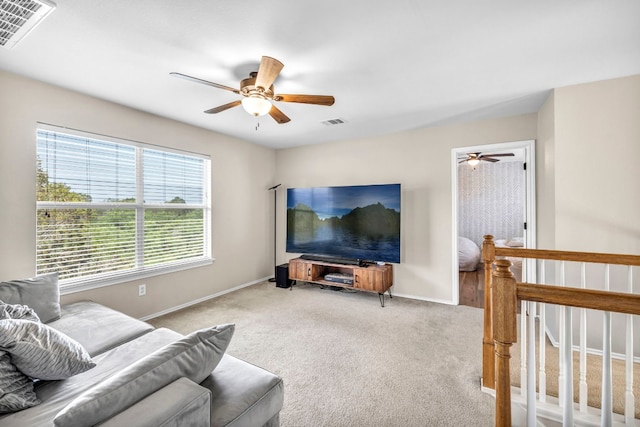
344,278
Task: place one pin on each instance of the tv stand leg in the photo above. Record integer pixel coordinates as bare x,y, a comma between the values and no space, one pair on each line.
390,296
381,297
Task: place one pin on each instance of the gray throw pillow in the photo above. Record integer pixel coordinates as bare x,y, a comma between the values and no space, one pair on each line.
194,357
17,311
16,390
40,293
41,352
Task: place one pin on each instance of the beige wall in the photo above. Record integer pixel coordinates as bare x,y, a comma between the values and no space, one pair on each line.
588,179
545,176
589,187
420,160
587,184
597,178
242,211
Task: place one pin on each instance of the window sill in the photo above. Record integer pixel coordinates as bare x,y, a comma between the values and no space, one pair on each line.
80,285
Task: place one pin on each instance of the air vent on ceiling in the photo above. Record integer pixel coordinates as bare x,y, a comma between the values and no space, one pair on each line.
19,17
332,122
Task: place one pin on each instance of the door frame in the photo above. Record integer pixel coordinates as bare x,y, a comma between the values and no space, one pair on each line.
529,211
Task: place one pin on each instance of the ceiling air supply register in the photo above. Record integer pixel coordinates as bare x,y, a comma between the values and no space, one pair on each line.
19,17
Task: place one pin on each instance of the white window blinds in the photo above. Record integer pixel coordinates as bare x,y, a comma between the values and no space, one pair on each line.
111,210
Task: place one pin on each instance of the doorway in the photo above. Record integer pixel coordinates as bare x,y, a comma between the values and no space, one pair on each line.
495,195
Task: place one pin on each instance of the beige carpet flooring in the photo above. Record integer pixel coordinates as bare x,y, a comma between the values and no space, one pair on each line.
346,361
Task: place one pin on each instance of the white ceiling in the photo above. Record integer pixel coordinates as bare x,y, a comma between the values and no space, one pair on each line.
392,65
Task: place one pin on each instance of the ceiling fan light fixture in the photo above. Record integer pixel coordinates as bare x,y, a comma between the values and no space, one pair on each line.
473,162
257,91
256,105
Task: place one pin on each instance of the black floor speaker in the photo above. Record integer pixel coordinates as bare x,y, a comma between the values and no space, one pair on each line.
282,276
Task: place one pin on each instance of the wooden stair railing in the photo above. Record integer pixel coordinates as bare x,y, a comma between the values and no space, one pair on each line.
502,294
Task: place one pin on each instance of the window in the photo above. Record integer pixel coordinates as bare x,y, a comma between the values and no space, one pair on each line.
110,210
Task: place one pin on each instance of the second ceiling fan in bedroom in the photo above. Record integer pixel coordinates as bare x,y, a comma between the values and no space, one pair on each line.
474,158
259,94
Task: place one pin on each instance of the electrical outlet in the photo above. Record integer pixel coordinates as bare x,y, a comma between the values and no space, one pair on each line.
142,290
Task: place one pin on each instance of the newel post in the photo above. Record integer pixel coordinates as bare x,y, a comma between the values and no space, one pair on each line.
505,333
488,363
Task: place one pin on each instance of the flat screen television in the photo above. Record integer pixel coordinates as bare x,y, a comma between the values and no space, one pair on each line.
360,222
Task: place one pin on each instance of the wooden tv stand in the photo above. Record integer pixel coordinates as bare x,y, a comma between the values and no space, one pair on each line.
370,278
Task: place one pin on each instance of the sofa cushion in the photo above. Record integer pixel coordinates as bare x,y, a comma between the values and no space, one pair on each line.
42,352
55,395
40,293
180,403
193,357
98,328
16,390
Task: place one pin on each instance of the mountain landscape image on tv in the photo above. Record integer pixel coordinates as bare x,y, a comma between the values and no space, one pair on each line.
359,222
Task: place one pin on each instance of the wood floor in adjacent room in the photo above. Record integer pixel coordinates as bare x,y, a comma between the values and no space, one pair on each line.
471,288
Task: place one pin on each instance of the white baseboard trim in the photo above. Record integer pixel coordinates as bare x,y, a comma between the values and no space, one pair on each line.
203,299
439,301
255,282
576,348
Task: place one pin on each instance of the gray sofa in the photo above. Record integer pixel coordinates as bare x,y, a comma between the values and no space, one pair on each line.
129,387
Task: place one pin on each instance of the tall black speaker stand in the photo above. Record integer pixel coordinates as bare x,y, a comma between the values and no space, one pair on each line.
275,225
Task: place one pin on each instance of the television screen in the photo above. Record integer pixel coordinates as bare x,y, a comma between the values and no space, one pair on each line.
357,222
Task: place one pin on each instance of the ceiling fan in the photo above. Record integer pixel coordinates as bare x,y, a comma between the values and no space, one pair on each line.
475,158
258,92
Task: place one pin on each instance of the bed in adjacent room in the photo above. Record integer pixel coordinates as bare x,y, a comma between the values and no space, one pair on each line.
471,268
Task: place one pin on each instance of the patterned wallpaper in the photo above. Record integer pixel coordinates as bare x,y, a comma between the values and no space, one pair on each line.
491,199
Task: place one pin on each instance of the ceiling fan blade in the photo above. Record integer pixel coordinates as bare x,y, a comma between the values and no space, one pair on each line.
197,80
278,115
500,155
307,99
223,107
268,71
488,159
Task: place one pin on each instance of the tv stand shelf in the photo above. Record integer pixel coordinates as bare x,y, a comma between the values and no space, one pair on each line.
370,278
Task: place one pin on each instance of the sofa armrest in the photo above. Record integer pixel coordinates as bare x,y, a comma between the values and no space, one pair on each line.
243,394
180,403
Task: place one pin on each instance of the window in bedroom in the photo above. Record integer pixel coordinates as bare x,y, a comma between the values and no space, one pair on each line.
110,210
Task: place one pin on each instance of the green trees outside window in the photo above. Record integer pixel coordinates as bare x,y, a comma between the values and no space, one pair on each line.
107,208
